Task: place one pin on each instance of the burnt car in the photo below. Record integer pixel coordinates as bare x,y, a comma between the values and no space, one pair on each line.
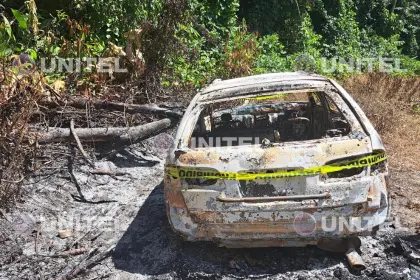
284,159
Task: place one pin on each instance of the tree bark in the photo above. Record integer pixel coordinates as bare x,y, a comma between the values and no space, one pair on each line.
124,134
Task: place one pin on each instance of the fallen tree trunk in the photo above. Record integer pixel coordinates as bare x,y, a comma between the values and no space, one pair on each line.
120,134
81,103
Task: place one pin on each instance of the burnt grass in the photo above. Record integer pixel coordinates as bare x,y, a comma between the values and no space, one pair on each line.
132,217
151,248
127,211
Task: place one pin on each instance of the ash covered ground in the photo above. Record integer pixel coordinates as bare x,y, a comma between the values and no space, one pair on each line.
120,223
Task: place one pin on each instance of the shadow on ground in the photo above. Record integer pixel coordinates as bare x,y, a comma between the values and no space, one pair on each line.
149,247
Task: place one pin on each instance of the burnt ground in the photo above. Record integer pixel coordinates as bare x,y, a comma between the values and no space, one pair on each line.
127,211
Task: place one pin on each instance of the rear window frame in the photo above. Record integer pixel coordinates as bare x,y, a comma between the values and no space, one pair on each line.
355,126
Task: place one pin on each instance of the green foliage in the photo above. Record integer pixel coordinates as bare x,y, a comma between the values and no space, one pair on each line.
276,16
6,36
310,40
198,63
377,46
272,56
21,18
240,51
204,49
110,19
188,43
344,39
18,40
195,64
411,65
305,62
215,15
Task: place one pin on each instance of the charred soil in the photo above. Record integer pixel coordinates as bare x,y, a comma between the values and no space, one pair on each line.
116,224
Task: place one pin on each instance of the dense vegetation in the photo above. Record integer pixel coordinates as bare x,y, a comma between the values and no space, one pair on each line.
187,43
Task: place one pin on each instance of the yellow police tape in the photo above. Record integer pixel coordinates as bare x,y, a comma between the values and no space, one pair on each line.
181,172
266,97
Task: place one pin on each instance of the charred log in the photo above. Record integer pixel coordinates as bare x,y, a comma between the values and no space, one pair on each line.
120,134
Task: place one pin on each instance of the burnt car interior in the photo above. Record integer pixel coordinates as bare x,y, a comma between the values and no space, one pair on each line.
296,116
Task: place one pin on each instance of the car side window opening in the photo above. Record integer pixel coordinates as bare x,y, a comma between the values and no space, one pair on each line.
279,117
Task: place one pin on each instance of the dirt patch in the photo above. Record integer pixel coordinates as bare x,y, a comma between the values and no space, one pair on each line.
405,195
390,103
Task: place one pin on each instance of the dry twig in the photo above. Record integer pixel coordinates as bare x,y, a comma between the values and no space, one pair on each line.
86,262
68,253
79,144
108,172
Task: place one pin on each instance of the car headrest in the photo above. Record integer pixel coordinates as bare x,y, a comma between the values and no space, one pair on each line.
226,117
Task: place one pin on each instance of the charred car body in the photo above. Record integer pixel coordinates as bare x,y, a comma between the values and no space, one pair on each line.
284,159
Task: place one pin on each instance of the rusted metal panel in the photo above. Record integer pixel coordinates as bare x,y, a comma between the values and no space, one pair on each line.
241,219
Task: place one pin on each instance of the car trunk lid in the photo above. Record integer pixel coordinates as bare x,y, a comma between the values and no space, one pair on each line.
287,157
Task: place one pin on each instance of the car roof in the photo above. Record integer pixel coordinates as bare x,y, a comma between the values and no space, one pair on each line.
261,79
267,82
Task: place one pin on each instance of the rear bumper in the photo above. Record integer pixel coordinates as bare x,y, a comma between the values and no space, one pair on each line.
261,226
295,229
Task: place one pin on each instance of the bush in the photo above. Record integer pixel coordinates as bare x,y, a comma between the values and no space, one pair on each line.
18,100
240,51
272,56
110,19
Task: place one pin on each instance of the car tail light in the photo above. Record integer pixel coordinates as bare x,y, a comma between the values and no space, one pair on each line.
380,167
343,173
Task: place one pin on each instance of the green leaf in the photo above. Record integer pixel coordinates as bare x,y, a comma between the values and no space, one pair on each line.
33,54
21,18
8,27
56,50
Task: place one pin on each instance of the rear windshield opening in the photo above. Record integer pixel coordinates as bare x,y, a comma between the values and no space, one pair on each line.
275,118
